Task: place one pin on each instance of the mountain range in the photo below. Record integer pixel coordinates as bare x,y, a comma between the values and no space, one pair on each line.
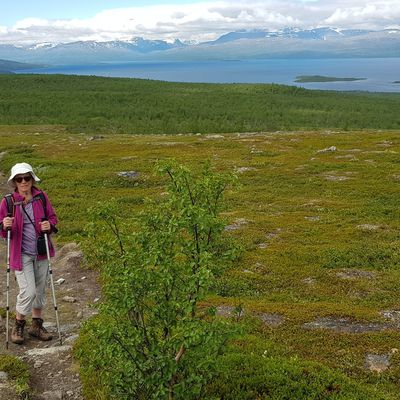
286,43
6,66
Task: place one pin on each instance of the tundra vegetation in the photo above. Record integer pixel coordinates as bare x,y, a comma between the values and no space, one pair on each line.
118,105
151,340
314,294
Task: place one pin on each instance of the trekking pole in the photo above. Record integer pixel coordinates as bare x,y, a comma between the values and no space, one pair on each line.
8,281
52,282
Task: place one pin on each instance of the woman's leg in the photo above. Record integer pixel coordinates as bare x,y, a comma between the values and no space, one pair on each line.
41,270
27,287
25,298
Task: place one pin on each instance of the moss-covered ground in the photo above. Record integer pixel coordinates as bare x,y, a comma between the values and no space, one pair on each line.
319,227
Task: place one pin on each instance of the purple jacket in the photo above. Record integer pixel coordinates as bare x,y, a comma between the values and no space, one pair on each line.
16,230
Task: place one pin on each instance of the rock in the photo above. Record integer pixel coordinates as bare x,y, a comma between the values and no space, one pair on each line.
271,319
236,225
37,364
73,259
166,144
336,178
385,143
377,362
214,137
42,352
95,137
128,174
247,271
3,376
368,227
274,234
244,169
327,150
308,281
60,281
343,325
79,315
355,274
69,299
52,395
227,311
7,391
67,328
68,248
393,316
313,218
249,134
71,339
347,156
254,150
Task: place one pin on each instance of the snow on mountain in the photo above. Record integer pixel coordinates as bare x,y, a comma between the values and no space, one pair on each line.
288,42
44,45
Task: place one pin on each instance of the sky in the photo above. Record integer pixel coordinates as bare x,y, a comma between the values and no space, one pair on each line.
27,21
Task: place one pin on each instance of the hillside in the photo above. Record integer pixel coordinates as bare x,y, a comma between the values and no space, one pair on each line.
8,67
312,300
95,104
317,215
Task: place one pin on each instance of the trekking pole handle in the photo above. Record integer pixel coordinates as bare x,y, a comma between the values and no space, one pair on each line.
44,219
9,215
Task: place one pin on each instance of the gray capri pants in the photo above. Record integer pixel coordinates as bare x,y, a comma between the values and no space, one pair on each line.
32,284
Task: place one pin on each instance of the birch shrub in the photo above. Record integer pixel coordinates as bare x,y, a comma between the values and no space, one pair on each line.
151,339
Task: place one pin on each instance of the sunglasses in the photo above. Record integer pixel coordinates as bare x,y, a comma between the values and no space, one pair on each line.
26,178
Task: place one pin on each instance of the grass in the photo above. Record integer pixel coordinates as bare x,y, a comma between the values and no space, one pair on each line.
306,216
17,372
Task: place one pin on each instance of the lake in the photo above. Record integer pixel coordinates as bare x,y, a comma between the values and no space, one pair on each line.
380,73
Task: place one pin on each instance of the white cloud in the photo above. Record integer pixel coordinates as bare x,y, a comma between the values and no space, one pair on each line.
373,15
206,20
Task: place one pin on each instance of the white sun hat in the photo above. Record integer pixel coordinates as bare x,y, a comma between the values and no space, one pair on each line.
21,168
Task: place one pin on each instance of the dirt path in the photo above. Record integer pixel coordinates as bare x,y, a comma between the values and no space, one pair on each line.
54,374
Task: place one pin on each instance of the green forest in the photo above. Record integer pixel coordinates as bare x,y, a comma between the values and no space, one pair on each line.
117,105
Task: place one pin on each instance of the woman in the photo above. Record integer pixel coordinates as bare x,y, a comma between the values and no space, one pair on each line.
32,215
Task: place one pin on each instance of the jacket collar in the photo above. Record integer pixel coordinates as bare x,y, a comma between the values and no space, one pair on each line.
18,197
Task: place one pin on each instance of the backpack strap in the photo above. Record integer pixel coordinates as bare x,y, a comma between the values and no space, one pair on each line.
40,196
10,204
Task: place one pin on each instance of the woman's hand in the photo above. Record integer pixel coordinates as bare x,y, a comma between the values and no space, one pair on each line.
45,226
7,222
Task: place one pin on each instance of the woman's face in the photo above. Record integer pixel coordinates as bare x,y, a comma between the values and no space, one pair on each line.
24,182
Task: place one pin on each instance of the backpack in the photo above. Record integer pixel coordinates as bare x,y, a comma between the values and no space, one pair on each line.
11,209
10,203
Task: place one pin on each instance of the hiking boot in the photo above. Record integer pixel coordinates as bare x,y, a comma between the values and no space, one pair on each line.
17,333
38,331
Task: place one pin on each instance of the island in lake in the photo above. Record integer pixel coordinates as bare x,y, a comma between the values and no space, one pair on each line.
320,78
396,82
